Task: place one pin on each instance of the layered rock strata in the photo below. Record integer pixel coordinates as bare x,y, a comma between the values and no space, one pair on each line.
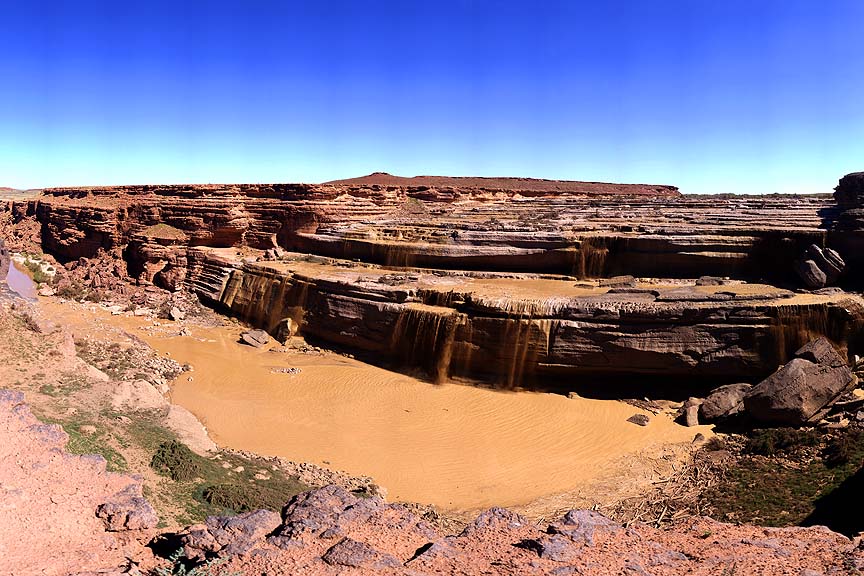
417,234
586,229
515,330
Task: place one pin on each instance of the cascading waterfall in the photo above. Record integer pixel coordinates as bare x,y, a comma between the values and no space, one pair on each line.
589,258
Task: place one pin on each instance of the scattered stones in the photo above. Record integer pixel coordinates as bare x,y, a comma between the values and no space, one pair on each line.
286,370
176,314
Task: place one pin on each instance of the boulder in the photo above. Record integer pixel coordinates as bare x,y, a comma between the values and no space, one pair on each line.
810,273
176,314
127,510
639,419
354,554
228,535
691,411
821,351
829,261
189,430
285,330
819,267
799,390
256,338
724,402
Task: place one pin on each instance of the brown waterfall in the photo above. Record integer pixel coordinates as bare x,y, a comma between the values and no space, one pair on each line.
589,258
795,325
424,337
264,298
525,341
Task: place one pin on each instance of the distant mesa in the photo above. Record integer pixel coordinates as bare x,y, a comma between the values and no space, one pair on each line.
535,185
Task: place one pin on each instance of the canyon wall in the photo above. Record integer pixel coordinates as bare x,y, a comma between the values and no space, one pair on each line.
409,244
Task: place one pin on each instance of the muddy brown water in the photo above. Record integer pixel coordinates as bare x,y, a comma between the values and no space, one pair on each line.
455,446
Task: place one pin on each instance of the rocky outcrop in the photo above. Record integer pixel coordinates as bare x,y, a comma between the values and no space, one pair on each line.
584,229
60,511
330,531
520,231
799,390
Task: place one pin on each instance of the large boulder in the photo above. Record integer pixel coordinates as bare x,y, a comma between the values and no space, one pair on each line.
227,535
724,402
799,390
127,510
256,338
819,267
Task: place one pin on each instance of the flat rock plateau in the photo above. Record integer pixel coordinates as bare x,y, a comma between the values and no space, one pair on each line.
602,291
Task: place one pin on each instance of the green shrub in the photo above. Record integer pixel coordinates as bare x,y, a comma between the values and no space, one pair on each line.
246,497
175,460
774,440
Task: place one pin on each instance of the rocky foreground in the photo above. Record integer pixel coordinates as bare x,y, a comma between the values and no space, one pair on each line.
64,514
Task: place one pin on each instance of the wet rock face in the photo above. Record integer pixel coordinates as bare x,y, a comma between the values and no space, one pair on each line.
797,392
441,324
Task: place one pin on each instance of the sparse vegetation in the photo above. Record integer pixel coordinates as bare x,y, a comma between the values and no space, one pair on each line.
227,484
175,460
87,438
180,566
777,440
71,291
782,475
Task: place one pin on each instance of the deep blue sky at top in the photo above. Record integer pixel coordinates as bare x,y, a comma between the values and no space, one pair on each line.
709,95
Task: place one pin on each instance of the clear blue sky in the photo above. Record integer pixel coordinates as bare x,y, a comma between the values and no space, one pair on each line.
710,95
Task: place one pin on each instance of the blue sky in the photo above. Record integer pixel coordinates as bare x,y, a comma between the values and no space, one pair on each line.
710,95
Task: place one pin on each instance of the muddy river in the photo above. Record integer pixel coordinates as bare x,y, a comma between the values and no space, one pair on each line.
459,447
